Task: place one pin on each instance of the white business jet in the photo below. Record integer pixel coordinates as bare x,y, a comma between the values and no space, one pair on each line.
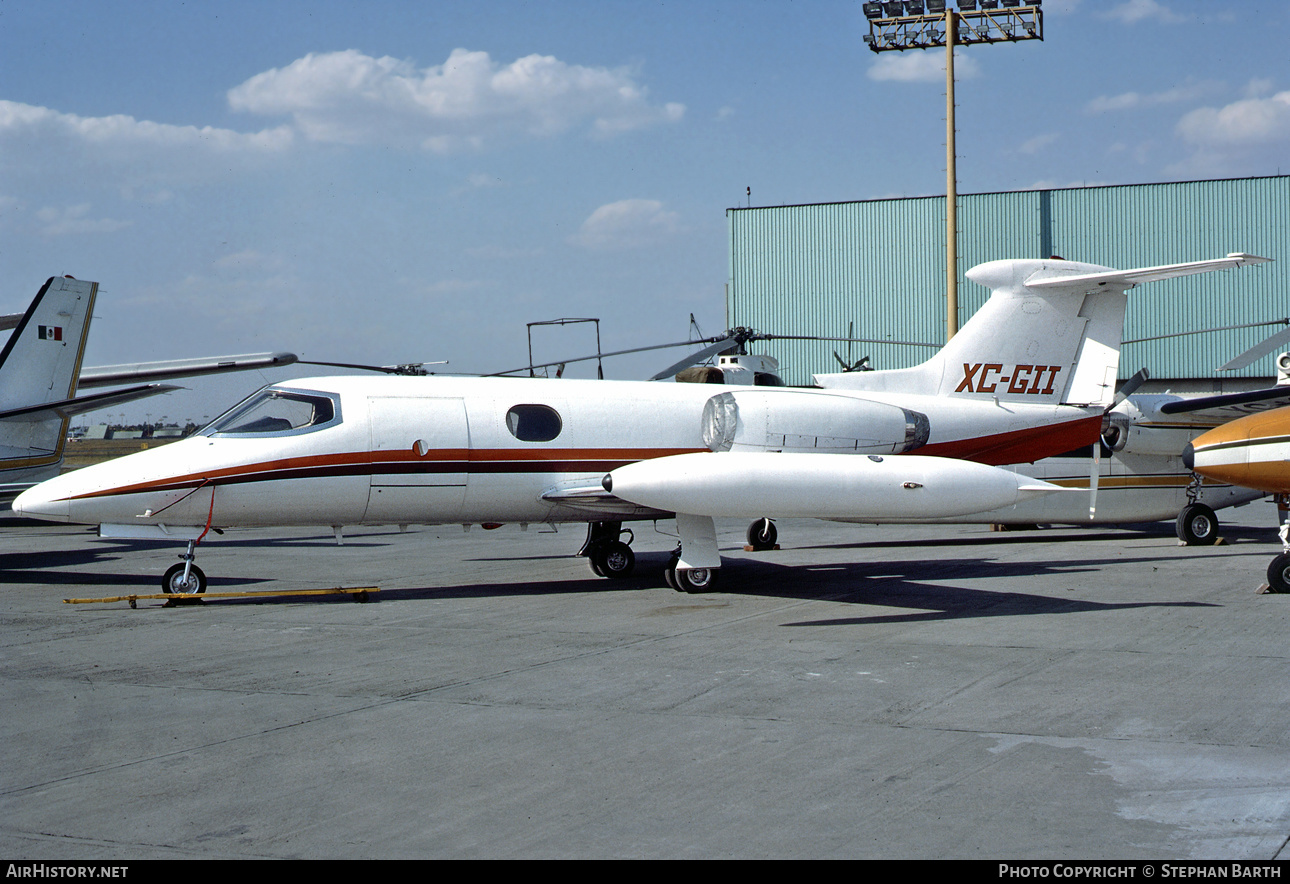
1030,375
41,373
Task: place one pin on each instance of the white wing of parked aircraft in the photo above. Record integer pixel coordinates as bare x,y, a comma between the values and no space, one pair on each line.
1029,376
40,372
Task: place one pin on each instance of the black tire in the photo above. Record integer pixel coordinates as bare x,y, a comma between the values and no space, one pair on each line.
1279,574
1197,525
762,535
669,573
695,579
614,559
173,582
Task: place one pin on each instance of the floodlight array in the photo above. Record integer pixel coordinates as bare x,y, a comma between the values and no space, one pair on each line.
920,24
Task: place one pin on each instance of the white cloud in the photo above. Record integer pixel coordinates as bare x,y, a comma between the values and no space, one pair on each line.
121,131
627,224
1134,11
1246,122
1246,137
75,220
1038,143
351,98
921,67
1127,101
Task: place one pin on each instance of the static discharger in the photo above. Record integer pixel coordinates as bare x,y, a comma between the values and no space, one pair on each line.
359,593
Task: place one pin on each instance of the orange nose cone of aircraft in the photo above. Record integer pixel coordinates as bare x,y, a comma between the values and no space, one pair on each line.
1252,451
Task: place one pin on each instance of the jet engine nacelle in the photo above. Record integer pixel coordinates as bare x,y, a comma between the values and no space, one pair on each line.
798,421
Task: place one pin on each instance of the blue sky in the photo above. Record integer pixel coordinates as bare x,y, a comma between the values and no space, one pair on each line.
390,182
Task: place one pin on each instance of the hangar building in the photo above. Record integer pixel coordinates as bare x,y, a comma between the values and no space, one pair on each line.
877,267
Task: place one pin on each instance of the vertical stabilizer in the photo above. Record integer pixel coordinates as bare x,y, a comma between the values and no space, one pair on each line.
1056,345
41,363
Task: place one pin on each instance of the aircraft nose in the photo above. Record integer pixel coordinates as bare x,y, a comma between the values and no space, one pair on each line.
1189,457
38,503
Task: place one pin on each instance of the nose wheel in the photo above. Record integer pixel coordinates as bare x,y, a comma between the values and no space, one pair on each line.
184,578
1197,525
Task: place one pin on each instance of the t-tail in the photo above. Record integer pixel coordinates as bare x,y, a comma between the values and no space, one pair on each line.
39,368
1050,333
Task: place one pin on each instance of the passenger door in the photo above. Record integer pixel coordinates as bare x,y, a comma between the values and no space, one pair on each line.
420,450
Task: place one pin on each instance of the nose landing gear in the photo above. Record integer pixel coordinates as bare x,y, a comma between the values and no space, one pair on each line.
185,578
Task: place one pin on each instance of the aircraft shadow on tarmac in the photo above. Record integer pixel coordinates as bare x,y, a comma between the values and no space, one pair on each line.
887,584
1058,534
871,581
82,567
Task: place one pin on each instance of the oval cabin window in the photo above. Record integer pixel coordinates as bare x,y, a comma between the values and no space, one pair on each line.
534,423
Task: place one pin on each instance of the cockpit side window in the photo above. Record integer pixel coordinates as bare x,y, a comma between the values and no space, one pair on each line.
534,423
276,412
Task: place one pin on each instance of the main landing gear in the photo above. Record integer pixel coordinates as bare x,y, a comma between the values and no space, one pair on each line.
606,553
692,570
1279,568
185,578
688,579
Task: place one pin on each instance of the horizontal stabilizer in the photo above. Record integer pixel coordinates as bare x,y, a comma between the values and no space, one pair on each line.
107,375
1130,278
10,320
69,407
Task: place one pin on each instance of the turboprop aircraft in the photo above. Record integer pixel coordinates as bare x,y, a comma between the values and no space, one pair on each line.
40,373
1030,375
1253,451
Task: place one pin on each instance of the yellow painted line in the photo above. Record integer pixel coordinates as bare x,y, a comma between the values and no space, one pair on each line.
359,591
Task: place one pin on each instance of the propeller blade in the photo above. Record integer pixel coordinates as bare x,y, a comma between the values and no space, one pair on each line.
1130,387
1092,479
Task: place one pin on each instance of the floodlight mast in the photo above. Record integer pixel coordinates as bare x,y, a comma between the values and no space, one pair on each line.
942,25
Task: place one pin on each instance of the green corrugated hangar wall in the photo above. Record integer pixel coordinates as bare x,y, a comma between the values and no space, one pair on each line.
877,267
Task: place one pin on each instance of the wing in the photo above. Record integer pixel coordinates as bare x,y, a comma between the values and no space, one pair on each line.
1230,406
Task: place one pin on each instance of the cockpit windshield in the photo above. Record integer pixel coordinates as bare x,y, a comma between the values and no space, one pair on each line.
274,411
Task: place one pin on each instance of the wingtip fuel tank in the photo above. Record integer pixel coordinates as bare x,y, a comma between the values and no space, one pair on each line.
788,485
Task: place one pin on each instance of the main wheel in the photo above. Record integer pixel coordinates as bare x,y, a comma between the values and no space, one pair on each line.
1279,573
174,581
1197,525
669,572
613,559
694,579
762,535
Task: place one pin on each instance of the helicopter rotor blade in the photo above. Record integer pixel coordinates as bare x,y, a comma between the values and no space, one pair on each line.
497,374
696,357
